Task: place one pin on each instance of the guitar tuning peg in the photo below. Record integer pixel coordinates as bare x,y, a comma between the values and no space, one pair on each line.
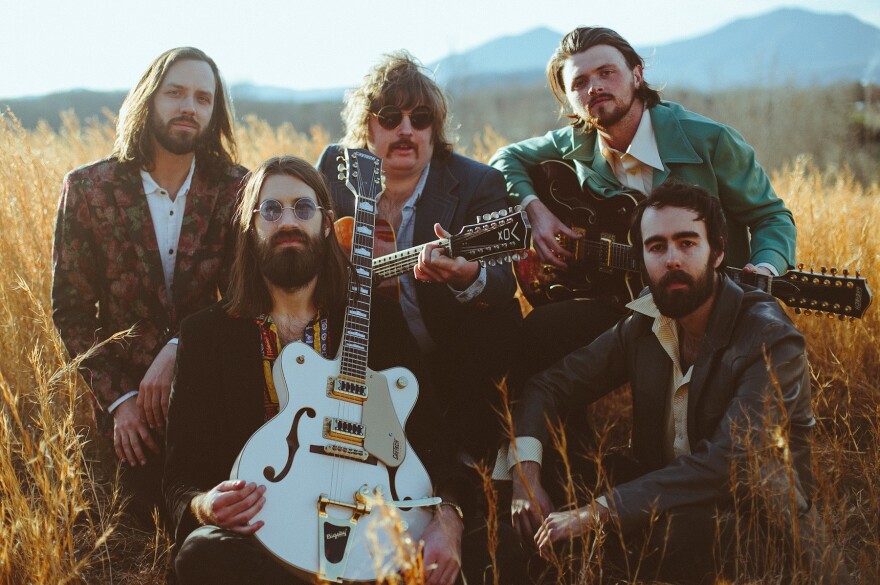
340,158
858,273
823,269
517,208
492,262
487,216
340,167
479,219
846,271
502,213
797,311
811,268
841,317
800,266
833,271
341,176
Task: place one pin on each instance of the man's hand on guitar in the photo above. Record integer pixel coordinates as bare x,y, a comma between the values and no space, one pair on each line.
758,269
442,538
545,228
231,505
435,266
152,400
530,503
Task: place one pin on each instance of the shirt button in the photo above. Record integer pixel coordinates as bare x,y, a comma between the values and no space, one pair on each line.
172,212
171,251
163,193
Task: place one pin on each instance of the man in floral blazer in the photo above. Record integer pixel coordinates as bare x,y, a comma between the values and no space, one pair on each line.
141,241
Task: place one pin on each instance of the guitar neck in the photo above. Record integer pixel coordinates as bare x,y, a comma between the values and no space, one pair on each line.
400,262
364,180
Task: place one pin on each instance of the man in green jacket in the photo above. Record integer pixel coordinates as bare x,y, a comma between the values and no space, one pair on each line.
624,139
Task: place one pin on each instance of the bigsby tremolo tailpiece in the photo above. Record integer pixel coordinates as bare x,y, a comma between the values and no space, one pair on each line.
335,537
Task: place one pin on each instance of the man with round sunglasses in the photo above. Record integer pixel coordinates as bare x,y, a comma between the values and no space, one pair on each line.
142,240
463,316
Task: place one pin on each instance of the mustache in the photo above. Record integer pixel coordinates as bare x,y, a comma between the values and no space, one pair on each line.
285,236
186,120
677,277
601,96
403,142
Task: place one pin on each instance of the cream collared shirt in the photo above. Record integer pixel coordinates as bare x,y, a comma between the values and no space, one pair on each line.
167,216
634,168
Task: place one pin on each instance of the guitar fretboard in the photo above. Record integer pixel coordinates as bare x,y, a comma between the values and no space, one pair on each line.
364,179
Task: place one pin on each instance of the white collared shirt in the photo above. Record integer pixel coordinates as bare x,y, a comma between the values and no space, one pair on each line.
167,216
635,167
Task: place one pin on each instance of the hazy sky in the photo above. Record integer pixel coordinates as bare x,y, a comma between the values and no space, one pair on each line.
51,45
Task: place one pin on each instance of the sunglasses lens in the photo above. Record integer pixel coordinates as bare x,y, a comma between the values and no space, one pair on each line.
271,210
304,209
389,117
421,117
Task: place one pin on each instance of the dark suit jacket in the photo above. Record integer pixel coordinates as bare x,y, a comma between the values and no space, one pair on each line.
730,389
107,273
217,402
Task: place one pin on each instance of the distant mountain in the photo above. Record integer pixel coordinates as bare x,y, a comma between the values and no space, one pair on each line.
785,47
266,93
520,57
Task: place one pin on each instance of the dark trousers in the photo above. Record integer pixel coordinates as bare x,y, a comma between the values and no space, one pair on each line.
142,485
213,556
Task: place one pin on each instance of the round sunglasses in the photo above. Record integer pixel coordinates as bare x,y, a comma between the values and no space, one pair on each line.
271,209
390,117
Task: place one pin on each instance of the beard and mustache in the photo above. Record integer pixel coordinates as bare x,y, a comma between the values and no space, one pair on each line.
291,268
678,303
175,141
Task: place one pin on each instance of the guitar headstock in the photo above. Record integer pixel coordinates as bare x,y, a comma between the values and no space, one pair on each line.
824,293
362,172
500,236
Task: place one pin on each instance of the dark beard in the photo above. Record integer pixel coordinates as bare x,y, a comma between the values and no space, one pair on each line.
680,303
291,268
173,143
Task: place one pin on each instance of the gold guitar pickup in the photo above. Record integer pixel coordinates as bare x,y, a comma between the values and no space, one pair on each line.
344,431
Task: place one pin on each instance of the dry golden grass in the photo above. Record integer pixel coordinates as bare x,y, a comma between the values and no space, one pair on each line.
60,521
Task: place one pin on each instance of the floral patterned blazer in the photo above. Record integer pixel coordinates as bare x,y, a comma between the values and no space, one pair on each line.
107,273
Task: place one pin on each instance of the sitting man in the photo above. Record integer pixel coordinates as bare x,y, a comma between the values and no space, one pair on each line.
625,141
143,240
464,317
289,282
715,370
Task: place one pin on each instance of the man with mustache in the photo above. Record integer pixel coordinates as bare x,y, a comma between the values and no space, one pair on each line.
142,240
463,316
721,417
288,282
624,139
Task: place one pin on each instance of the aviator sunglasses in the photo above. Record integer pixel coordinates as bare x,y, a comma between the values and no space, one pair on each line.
390,117
271,209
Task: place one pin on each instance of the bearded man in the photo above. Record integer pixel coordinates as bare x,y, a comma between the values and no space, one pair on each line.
142,240
721,418
289,282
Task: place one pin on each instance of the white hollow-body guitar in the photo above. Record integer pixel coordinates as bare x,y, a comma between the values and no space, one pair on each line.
336,450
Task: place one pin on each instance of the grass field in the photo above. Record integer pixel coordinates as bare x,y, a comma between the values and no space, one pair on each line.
59,518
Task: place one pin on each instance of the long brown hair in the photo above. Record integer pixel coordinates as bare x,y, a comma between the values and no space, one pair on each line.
133,135
248,294
397,80
578,41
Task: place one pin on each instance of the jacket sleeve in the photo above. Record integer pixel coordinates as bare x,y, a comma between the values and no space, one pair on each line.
763,398
749,198
76,294
515,160
581,377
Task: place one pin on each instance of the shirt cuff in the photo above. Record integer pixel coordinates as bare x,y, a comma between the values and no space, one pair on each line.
173,341
526,200
471,292
120,400
527,449
769,267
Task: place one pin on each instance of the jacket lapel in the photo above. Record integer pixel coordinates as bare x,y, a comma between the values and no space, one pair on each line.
128,192
197,217
721,324
672,143
437,203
